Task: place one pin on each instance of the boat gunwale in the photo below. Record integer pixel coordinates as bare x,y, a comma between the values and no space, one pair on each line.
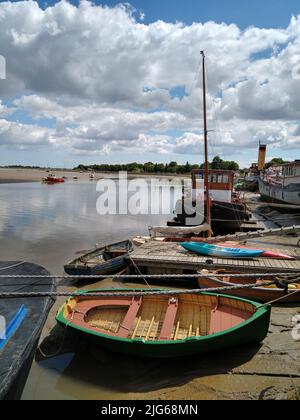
78,264
260,311
222,283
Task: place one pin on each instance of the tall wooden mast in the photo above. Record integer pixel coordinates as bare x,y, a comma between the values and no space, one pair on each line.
206,174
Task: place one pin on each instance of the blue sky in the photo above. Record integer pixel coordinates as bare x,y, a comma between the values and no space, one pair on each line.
261,13
273,14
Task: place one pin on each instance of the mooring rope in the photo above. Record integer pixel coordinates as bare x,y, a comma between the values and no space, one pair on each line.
57,352
142,276
139,271
136,292
279,299
12,266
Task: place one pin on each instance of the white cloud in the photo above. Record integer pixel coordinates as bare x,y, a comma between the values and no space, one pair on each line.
105,79
23,136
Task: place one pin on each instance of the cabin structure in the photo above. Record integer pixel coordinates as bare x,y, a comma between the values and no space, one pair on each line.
220,184
291,173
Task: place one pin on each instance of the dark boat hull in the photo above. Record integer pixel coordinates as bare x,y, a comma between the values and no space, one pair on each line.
17,354
109,267
226,217
82,266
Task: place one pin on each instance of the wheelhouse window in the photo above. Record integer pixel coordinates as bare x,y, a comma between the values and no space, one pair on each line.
213,178
200,176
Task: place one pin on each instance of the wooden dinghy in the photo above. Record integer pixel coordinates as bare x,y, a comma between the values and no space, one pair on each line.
21,323
259,294
105,260
160,326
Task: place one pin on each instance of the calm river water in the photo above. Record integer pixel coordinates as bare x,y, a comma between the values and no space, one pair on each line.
47,225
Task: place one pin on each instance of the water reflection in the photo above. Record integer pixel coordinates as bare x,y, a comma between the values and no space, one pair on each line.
48,224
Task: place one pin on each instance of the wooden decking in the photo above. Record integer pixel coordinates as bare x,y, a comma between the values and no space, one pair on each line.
171,258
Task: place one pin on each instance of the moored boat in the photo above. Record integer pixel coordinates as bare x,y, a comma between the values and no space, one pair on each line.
52,179
21,323
163,325
266,253
281,184
213,199
289,294
219,251
105,260
227,211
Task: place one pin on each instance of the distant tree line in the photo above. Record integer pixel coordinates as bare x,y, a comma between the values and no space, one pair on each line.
159,168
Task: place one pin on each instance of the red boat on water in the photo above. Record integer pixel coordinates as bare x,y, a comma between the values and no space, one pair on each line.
52,179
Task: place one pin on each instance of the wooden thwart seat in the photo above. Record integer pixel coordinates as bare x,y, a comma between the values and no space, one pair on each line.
169,321
130,317
133,303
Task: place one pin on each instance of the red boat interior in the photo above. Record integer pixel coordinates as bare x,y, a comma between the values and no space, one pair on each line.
157,317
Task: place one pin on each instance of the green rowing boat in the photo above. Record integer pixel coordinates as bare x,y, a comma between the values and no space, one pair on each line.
164,325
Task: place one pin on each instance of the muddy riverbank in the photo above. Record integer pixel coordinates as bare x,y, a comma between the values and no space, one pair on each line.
24,175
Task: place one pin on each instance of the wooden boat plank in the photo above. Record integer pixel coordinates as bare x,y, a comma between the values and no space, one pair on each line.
168,323
127,323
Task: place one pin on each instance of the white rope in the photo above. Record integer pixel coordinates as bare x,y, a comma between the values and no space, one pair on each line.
139,272
148,276
12,266
280,299
136,292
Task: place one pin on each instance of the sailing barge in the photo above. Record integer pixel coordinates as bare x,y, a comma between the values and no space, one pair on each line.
227,212
219,206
